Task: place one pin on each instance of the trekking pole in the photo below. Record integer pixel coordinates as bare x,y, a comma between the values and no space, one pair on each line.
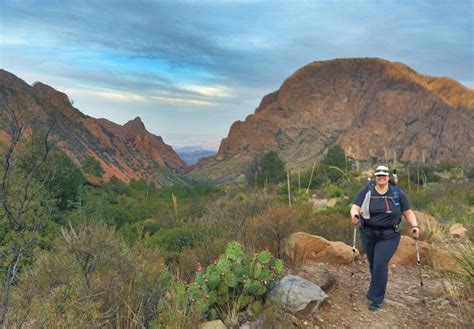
419,270
353,260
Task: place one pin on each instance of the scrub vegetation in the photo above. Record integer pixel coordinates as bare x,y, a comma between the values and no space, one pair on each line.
111,254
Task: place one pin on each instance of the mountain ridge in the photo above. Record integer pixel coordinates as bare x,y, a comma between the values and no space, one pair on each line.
127,152
373,108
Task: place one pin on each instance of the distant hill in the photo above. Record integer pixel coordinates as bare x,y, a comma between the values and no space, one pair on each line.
373,108
192,154
127,152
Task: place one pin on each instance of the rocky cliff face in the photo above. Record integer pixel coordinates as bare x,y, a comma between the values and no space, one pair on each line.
373,108
127,152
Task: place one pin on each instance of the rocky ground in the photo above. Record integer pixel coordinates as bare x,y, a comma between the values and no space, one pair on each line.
403,307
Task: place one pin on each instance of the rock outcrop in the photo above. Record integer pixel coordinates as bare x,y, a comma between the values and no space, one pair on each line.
373,108
127,152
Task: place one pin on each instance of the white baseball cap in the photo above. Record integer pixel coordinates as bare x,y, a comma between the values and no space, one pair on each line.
381,171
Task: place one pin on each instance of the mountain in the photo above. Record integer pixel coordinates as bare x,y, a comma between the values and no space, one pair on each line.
127,152
373,108
192,154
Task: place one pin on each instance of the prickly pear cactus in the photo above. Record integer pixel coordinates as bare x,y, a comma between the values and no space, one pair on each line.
234,279
234,251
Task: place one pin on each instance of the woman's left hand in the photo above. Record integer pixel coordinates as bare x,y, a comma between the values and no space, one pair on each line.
415,231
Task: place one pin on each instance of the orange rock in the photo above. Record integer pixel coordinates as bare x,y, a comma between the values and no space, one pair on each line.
458,231
406,252
425,220
302,246
429,254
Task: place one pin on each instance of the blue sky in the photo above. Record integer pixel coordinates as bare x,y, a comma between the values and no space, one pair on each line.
191,68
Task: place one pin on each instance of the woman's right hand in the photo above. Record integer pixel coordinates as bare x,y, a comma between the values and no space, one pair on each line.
355,219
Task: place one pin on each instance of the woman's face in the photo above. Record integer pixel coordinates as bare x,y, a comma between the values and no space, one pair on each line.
382,180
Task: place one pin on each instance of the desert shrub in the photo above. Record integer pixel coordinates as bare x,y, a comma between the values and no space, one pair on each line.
470,173
275,317
203,252
90,279
231,215
471,199
463,273
270,228
459,279
331,223
333,191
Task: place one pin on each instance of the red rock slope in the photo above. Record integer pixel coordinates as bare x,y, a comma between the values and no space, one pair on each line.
127,152
372,107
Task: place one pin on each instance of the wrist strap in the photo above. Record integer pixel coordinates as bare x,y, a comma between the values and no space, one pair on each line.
416,226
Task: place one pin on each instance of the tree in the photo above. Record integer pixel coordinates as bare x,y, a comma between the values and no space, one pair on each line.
64,185
272,169
336,158
23,184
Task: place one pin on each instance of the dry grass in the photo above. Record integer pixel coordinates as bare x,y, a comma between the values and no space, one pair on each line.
459,280
434,232
273,316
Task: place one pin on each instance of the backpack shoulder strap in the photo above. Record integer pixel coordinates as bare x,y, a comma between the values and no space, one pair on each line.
366,204
395,193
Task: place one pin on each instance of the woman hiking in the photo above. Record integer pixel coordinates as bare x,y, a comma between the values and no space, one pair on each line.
378,210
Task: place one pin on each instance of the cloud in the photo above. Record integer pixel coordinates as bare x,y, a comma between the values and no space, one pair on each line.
217,57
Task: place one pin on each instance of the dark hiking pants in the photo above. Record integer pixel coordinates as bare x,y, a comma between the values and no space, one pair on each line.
380,245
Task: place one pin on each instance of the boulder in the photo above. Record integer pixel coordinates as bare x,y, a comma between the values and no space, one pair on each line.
323,203
302,246
298,295
406,252
458,231
216,324
429,254
318,274
425,220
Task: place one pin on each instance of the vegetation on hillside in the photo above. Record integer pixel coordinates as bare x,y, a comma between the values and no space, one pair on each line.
113,254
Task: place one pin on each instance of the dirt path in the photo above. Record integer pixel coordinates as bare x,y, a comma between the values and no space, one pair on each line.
402,308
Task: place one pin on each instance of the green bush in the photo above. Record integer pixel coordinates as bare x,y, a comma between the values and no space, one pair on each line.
333,191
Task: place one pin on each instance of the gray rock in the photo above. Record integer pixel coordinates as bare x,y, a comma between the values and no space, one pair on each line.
216,324
298,295
318,273
257,324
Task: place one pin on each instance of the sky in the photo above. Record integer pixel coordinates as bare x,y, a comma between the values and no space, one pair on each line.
190,69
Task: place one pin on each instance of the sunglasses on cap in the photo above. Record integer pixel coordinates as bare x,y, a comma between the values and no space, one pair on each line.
381,173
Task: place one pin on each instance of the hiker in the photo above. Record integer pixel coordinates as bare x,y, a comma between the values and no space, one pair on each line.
378,210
